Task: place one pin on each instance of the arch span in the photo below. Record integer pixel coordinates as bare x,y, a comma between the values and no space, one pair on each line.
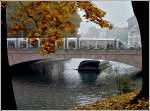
131,57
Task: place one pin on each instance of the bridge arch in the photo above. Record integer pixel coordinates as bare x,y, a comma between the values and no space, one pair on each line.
130,57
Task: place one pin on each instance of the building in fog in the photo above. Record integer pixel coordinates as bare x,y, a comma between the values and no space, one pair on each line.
134,39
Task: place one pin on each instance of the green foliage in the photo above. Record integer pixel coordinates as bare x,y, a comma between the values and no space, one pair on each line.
125,84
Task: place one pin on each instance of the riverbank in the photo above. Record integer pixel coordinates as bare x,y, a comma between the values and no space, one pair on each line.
116,103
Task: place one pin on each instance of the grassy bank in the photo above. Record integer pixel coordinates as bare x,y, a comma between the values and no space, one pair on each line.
117,103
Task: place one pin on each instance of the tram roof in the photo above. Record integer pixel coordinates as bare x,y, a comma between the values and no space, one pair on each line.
18,38
84,38
73,38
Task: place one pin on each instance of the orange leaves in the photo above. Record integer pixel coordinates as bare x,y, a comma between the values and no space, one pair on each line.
37,34
54,14
47,46
84,5
39,23
39,31
43,20
48,43
16,27
52,20
105,24
69,8
117,103
56,35
33,40
94,14
60,43
69,27
26,21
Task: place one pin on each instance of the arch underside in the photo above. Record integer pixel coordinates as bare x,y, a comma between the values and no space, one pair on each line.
130,57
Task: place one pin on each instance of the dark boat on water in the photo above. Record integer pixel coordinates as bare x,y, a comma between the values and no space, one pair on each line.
89,65
93,65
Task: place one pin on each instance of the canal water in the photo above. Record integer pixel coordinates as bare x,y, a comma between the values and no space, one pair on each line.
56,85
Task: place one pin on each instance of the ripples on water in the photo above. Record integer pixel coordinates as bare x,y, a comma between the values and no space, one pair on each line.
62,86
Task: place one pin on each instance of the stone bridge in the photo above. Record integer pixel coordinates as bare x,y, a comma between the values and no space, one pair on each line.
131,57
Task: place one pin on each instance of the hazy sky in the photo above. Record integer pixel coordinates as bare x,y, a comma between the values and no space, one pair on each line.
117,13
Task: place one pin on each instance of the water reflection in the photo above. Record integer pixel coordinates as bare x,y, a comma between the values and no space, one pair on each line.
64,86
89,76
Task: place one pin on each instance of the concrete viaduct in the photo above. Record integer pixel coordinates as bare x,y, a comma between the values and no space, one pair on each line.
131,57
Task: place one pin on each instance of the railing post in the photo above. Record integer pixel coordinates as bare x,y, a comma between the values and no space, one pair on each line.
65,43
27,43
78,45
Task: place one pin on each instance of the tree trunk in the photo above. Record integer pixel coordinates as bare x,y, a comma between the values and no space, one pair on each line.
141,10
8,100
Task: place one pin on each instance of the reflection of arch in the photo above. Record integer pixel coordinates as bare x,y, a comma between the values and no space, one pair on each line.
88,76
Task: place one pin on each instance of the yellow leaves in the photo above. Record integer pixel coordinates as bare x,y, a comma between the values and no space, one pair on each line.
26,21
54,12
33,40
69,8
16,27
48,16
37,34
53,20
39,23
48,43
43,27
13,32
43,5
84,5
60,18
12,17
105,24
94,14
47,46
56,35
69,27
60,43
117,103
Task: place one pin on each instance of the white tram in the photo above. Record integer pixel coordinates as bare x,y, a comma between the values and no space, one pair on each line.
72,43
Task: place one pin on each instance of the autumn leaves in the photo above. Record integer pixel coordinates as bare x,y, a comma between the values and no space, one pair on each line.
51,21
94,14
